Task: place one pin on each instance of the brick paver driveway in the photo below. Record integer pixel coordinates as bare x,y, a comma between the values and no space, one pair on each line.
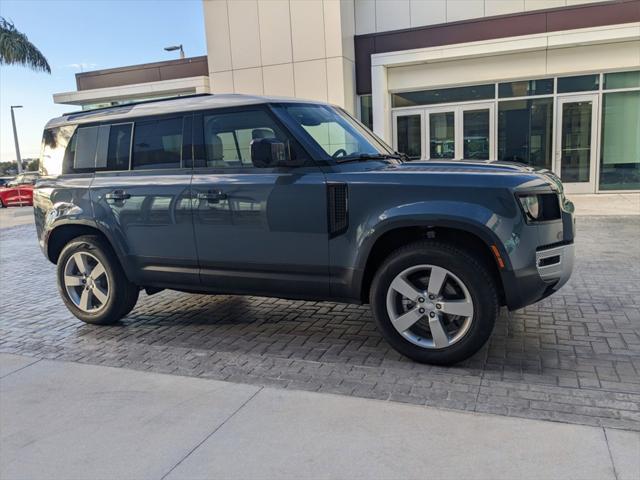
574,357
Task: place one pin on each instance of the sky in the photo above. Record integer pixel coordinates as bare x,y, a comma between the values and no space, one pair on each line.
84,35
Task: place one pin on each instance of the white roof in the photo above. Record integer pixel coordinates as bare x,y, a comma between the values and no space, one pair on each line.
186,104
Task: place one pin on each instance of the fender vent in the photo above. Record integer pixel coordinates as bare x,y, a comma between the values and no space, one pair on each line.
338,211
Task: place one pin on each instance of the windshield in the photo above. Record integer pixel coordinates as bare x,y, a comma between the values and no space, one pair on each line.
337,134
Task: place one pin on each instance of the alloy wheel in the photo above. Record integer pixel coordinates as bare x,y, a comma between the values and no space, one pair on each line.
429,306
86,282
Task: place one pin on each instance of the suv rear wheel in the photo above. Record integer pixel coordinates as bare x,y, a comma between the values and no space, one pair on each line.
434,303
92,283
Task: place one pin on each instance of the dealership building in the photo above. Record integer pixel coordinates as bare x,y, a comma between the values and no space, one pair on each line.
551,83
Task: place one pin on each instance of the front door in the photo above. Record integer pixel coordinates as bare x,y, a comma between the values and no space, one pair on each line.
448,132
258,230
576,142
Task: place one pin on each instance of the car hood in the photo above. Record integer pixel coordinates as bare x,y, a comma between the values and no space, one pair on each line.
527,176
469,166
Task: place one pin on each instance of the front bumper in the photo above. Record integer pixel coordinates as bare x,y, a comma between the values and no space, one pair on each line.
551,270
555,264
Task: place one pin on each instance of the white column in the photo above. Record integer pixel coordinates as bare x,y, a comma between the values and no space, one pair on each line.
380,103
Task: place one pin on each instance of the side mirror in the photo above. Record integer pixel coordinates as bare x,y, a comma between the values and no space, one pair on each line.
269,153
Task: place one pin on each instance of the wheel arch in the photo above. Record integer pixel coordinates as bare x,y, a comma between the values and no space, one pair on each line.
461,235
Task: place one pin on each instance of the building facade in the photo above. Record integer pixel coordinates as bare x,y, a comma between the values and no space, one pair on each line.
551,83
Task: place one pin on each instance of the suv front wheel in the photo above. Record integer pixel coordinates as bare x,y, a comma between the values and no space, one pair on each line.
92,283
434,303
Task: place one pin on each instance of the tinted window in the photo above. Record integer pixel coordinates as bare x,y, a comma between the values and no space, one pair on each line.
86,146
409,136
157,143
525,131
443,95
228,137
525,88
119,146
579,83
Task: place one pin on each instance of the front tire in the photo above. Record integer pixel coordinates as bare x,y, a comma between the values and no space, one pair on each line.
434,303
92,283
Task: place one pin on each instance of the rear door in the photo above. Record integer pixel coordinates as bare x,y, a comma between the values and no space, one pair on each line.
141,191
258,230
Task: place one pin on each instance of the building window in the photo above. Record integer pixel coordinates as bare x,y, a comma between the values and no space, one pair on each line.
366,111
525,130
443,95
622,80
409,136
579,83
620,164
526,88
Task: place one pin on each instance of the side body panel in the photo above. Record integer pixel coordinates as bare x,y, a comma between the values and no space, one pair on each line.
265,232
382,200
153,224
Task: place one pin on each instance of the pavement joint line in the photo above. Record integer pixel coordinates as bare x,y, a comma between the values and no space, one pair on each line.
211,434
36,360
613,464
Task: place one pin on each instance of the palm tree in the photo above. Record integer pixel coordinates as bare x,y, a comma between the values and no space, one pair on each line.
16,49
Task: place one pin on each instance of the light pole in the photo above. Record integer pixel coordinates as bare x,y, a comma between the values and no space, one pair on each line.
15,138
175,47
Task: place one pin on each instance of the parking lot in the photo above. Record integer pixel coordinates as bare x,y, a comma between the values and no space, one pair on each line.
574,357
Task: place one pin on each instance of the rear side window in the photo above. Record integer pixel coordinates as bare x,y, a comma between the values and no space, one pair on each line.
100,148
157,144
56,154
119,147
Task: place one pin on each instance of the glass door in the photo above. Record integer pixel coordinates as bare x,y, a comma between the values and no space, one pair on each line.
441,133
460,132
576,142
476,132
407,136
451,132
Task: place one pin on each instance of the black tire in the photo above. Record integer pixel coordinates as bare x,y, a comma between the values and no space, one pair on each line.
463,265
2,205
122,293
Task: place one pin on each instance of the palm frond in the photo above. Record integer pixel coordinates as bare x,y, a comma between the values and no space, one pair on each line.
16,49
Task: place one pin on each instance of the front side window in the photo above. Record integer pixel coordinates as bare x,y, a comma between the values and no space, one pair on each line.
228,137
157,144
333,131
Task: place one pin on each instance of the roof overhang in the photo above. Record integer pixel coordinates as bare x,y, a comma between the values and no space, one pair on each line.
173,87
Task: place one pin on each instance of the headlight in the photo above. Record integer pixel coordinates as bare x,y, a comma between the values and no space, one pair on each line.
531,206
540,207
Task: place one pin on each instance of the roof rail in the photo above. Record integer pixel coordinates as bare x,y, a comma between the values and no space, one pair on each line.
133,104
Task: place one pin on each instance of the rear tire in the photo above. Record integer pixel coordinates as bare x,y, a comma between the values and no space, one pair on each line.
92,283
2,205
434,334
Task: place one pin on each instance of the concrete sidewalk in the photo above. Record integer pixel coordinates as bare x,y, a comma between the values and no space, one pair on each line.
606,204
69,420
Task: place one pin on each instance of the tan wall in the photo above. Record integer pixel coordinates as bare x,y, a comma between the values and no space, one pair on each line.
297,48
382,15
573,60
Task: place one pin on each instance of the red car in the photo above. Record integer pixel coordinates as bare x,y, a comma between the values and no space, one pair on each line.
18,192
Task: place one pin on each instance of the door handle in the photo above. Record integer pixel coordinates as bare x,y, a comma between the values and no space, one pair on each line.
211,196
117,196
